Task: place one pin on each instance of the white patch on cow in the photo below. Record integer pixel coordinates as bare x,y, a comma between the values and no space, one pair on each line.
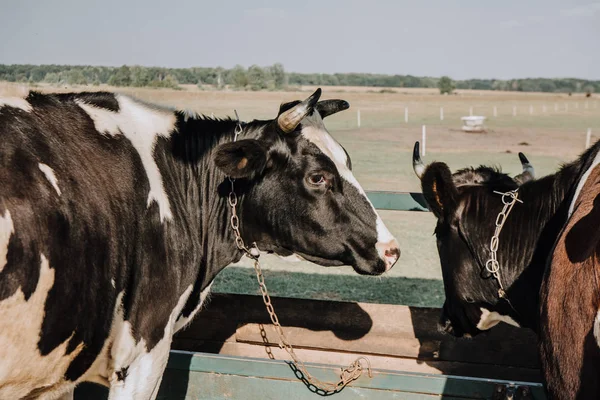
23,368
489,319
142,125
597,328
314,131
184,321
6,230
144,368
16,102
581,183
49,172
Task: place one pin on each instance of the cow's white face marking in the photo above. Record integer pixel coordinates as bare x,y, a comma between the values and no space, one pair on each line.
597,328
23,368
15,102
6,230
314,131
581,183
145,368
49,172
184,321
141,125
489,319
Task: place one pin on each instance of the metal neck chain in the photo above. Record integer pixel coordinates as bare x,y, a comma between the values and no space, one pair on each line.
509,199
348,374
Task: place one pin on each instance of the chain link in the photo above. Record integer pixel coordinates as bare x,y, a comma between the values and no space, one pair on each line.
348,374
509,199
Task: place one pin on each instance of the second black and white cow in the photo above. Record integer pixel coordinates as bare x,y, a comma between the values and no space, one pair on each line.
114,221
548,257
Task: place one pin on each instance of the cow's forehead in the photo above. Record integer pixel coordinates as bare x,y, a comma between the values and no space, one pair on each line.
313,130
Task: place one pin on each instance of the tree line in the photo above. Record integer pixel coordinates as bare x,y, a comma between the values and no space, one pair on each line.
269,78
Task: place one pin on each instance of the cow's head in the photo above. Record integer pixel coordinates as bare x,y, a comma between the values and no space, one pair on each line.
299,194
466,208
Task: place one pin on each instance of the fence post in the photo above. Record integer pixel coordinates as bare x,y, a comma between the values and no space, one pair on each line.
358,117
588,138
424,140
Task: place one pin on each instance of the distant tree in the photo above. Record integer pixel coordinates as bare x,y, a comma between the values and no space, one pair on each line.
51,77
257,78
279,76
445,85
75,77
238,77
139,76
121,77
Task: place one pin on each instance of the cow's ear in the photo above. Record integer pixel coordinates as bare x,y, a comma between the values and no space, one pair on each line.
242,159
439,189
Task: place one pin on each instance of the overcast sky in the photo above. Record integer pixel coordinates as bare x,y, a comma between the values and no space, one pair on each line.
463,39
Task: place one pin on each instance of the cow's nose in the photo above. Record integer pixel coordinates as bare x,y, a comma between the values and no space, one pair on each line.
389,252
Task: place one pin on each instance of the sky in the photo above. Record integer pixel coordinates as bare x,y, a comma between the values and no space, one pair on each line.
462,38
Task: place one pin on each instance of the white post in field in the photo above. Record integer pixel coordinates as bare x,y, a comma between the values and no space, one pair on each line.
423,140
471,111
441,113
514,111
588,138
358,117
495,111
406,114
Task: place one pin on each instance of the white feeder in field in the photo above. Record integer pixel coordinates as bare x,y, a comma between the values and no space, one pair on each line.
473,123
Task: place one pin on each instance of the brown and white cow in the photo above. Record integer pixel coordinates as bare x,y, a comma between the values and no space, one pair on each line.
570,299
114,221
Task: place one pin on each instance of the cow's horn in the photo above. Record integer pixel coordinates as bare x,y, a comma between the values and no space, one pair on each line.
528,173
418,165
329,107
289,120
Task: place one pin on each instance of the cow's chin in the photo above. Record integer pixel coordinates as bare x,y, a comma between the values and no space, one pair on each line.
363,268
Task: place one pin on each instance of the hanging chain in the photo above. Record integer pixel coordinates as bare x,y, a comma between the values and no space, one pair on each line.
509,199
348,374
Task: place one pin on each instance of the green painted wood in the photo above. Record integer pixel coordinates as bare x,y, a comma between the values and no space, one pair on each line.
394,381
209,376
397,201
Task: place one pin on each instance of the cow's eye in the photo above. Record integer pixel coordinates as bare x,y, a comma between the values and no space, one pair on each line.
317,179
469,300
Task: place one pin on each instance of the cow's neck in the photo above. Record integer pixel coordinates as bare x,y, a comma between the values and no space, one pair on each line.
538,222
198,193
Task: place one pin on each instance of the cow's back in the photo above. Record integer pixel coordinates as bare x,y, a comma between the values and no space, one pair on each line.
70,201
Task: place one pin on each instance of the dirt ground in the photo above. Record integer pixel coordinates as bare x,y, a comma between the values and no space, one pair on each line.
549,128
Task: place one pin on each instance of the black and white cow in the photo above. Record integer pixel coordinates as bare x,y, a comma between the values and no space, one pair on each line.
548,262
114,221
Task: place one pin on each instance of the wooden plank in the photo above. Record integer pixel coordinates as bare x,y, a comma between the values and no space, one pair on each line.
397,201
376,329
206,376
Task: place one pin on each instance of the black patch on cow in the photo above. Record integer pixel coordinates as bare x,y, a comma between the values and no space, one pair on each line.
104,100
581,242
122,373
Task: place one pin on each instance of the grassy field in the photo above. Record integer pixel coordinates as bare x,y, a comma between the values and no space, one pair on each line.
549,128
